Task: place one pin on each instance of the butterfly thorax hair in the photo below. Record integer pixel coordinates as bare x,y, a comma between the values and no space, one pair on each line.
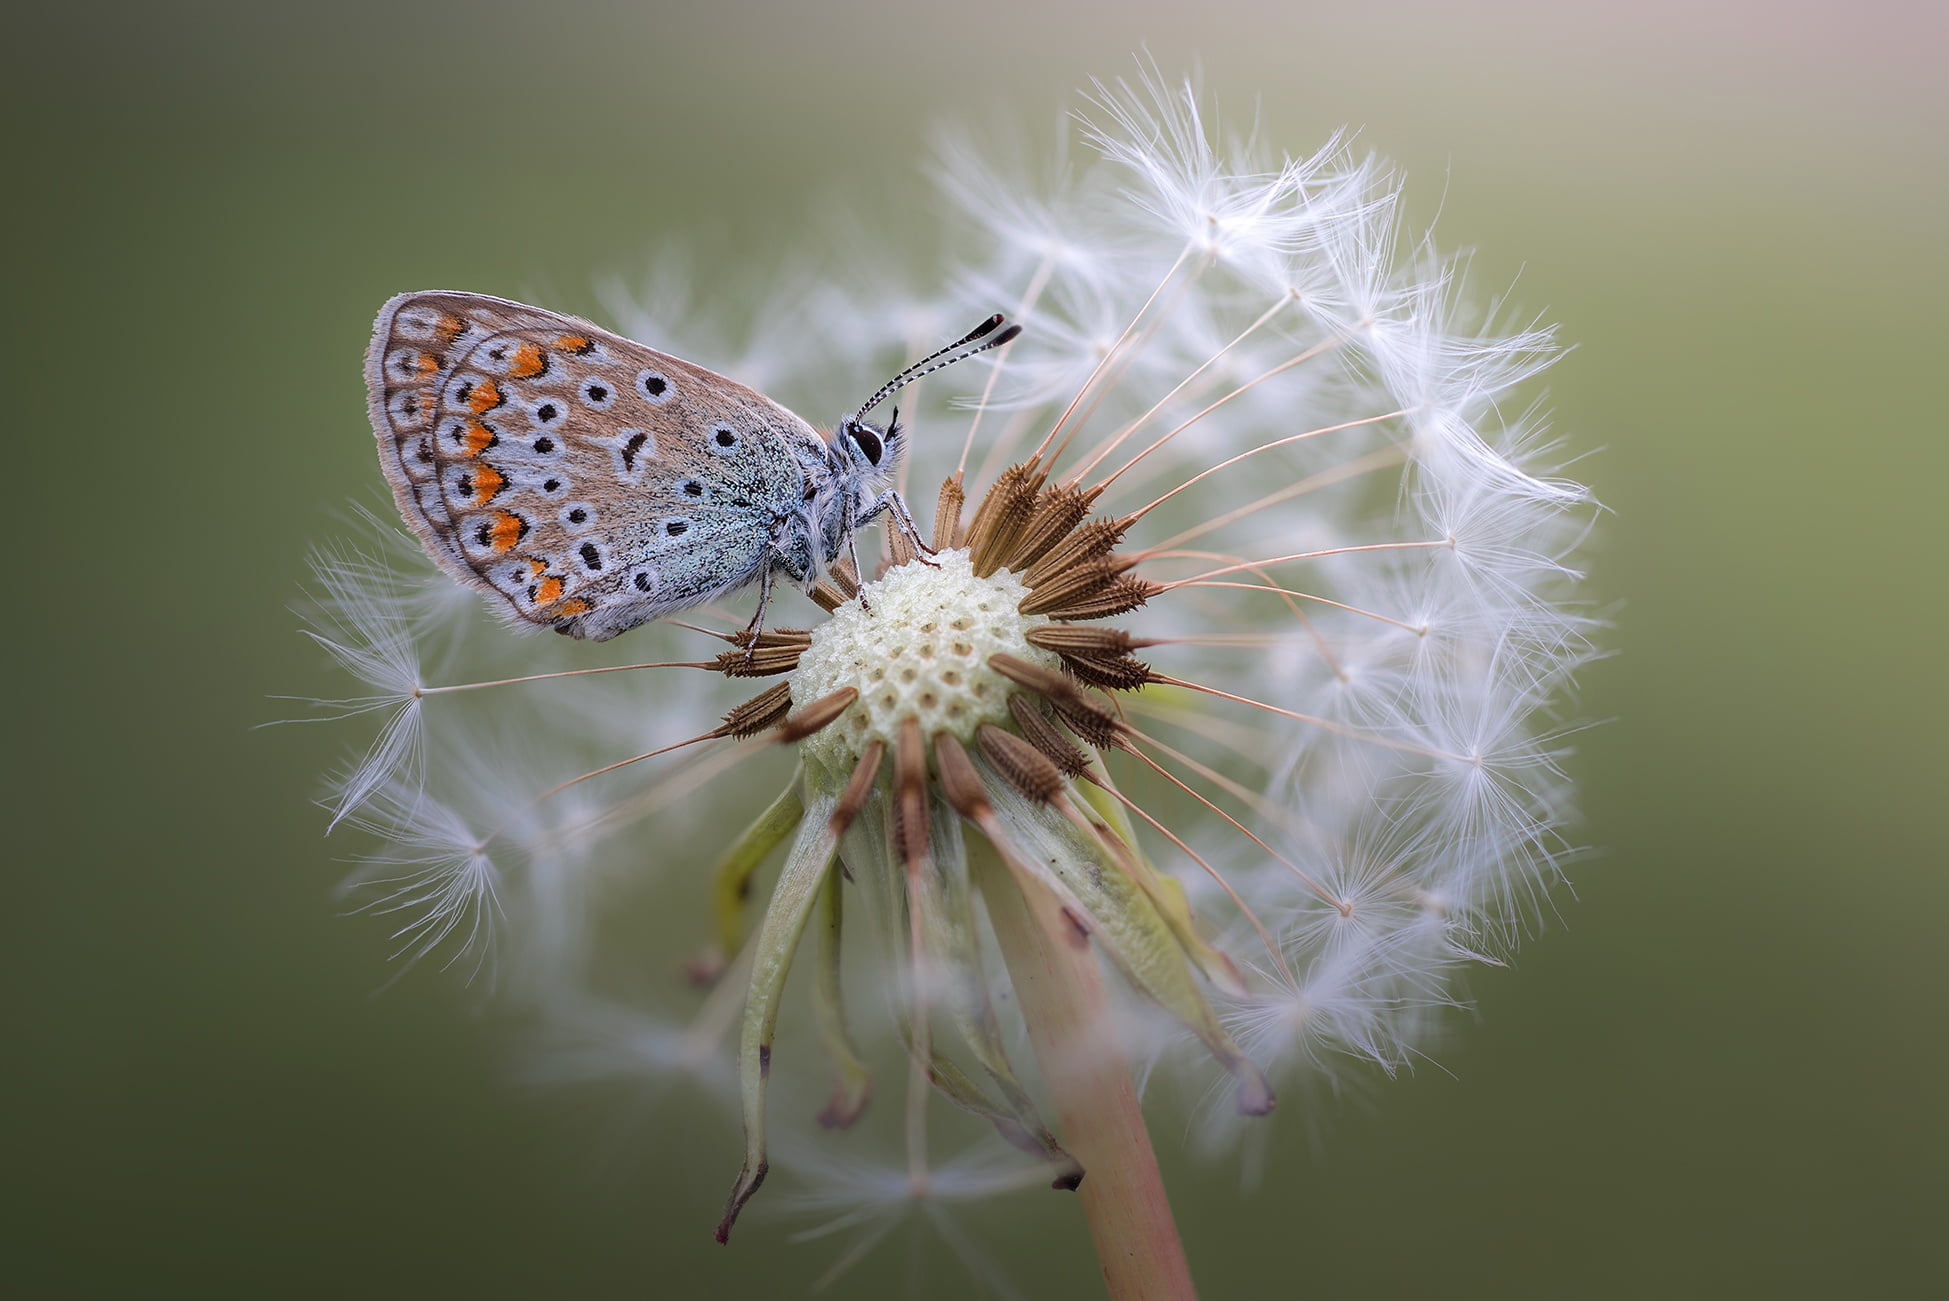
861,460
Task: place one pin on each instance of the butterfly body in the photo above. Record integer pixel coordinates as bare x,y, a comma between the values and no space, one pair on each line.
591,483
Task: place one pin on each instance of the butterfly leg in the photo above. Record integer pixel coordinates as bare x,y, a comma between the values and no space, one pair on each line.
891,503
757,624
859,575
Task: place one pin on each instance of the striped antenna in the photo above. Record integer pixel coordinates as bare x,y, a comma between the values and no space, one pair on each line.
956,351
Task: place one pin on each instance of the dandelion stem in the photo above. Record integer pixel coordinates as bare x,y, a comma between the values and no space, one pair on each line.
1063,1003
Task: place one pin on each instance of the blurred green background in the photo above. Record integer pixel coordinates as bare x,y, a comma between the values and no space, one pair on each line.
1720,1074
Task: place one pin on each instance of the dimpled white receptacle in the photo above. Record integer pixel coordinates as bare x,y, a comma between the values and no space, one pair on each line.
918,650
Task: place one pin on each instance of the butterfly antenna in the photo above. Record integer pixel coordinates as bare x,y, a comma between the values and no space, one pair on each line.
956,351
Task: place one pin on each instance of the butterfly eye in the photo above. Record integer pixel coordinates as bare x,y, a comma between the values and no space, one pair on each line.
868,443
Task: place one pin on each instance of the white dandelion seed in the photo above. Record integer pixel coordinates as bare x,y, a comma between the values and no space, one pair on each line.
434,880
364,617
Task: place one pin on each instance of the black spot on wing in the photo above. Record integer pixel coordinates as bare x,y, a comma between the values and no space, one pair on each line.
632,447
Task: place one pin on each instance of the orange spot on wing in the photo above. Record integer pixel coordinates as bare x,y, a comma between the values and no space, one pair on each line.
580,345
426,363
529,361
450,328
574,605
484,397
506,530
476,439
488,481
548,590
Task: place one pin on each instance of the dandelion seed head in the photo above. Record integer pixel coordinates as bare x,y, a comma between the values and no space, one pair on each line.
1245,650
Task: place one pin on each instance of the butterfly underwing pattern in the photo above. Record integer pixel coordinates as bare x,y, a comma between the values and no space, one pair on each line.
591,484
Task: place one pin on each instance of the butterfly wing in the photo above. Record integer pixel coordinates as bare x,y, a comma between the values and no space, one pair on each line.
588,482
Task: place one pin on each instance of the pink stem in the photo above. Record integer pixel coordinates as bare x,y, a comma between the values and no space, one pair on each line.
1062,999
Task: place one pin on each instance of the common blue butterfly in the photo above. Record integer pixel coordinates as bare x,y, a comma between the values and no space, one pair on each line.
592,484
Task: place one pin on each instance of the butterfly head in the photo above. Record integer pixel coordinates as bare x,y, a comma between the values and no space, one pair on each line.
863,451
870,450
863,456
